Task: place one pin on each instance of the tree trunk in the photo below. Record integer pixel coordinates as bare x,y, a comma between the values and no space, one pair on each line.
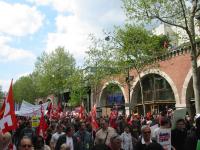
191,34
195,81
142,96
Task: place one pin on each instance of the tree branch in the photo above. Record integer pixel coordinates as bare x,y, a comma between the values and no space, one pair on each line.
184,15
170,23
172,15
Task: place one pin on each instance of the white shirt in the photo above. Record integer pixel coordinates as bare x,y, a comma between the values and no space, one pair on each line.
143,142
126,141
69,142
55,137
163,137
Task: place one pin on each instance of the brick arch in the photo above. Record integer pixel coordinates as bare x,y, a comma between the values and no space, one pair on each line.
186,83
114,82
162,74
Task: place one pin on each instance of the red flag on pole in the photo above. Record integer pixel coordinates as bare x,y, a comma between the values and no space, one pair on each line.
81,112
43,125
93,114
8,121
113,118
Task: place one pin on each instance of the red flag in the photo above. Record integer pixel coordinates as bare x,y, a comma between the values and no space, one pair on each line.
81,112
8,121
93,114
113,119
43,125
94,111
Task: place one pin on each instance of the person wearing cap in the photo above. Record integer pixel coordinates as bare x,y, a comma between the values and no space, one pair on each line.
146,143
105,133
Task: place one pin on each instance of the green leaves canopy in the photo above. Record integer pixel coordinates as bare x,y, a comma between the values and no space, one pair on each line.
128,44
24,89
52,70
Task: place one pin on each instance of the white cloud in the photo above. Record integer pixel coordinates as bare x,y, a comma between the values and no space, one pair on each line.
72,34
19,19
58,5
8,53
5,84
110,16
84,18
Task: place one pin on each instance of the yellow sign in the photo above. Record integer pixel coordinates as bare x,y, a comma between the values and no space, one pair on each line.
35,121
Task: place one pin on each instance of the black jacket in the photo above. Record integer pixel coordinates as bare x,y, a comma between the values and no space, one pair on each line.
153,146
62,140
178,138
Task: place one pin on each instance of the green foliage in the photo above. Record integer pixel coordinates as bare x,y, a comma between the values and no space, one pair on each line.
78,87
129,44
24,89
100,61
52,71
136,46
168,10
1,93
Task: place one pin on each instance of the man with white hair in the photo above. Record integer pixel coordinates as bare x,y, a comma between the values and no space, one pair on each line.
146,143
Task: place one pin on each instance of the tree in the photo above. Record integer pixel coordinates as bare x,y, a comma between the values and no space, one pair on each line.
129,46
136,47
100,63
24,89
52,71
78,88
1,93
178,13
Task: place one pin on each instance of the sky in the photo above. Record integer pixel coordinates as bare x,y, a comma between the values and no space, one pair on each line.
30,27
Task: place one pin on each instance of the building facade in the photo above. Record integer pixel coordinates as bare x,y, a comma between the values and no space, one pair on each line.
168,83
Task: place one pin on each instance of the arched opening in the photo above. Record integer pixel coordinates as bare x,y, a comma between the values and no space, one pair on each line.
157,94
111,97
189,95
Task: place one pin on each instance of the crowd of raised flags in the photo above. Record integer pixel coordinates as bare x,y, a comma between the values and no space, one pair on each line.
8,112
48,112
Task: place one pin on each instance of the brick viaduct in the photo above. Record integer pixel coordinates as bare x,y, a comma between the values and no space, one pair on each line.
174,67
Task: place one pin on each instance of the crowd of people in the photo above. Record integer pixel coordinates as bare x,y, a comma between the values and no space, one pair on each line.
133,132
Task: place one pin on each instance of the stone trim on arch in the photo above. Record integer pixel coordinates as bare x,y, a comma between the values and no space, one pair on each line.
109,82
186,83
164,75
